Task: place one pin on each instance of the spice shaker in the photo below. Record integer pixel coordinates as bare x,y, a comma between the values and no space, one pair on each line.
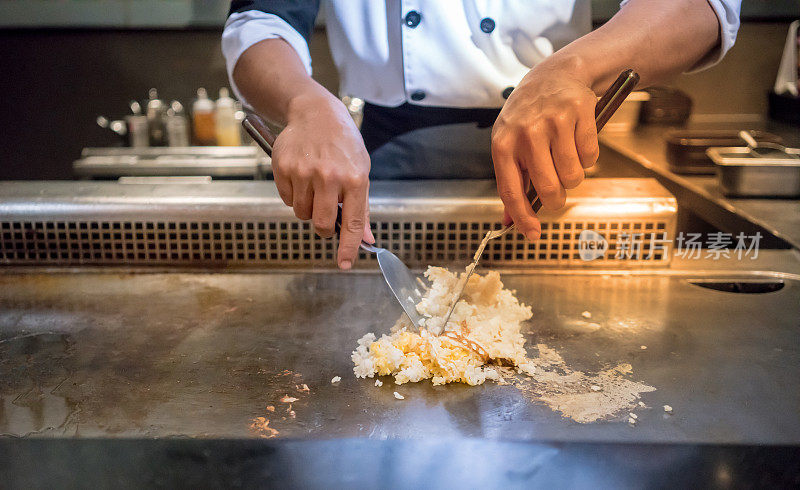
138,134
156,112
177,125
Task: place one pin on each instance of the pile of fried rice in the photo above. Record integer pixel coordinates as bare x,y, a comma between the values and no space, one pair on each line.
481,341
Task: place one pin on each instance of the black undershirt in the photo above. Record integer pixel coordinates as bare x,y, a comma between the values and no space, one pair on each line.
382,124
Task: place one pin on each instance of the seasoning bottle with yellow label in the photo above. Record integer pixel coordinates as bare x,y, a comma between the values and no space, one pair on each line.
203,124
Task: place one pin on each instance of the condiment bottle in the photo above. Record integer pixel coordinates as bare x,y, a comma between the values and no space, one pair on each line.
228,133
138,135
177,127
156,110
203,120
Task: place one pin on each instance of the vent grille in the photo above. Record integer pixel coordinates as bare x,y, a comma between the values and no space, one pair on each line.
293,243
246,224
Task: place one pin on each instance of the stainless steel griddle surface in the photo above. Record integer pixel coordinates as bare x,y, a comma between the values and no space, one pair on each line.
202,354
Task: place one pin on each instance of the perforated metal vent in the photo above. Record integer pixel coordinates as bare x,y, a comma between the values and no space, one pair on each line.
232,234
294,243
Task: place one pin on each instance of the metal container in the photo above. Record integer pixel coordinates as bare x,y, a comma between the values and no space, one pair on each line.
686,149
246,224
244,162
138,134
742,175
177,131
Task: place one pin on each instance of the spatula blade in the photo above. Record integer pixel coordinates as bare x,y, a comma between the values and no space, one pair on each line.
403,284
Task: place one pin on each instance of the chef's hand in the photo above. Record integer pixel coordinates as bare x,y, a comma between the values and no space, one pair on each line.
545,133
319,161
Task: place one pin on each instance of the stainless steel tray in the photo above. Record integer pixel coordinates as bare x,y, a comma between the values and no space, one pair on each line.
186,151
741,175
220,162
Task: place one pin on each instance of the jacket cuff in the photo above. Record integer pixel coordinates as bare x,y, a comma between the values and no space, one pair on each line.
728,17
244,29
727,12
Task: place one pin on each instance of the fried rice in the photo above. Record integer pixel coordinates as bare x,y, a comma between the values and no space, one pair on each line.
480,342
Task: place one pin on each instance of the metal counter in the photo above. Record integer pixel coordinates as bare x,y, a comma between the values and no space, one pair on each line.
645,146
391,464
159,376
121,354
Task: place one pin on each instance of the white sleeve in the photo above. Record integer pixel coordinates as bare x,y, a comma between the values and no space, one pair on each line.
244,29
727,12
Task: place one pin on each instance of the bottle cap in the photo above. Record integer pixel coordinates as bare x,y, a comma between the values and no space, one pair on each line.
203,103
224,101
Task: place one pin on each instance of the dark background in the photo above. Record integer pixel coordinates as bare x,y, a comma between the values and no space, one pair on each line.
55,82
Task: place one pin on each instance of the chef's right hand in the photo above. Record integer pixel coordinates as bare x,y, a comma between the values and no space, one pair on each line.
318,161
545,134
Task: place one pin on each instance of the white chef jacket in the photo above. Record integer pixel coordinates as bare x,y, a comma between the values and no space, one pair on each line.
446,53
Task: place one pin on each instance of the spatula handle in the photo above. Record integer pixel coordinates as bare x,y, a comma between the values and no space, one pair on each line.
257,128
614,97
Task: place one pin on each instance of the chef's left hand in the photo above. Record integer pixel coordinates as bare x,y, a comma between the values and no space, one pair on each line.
545,133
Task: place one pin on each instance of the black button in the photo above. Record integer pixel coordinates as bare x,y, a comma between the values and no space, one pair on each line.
487,25
413,19
507,92
417,95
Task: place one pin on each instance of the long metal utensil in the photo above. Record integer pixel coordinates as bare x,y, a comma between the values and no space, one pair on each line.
603,110
754,146
405,286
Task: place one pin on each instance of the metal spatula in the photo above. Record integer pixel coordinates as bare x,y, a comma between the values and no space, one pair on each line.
405,286
604,109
